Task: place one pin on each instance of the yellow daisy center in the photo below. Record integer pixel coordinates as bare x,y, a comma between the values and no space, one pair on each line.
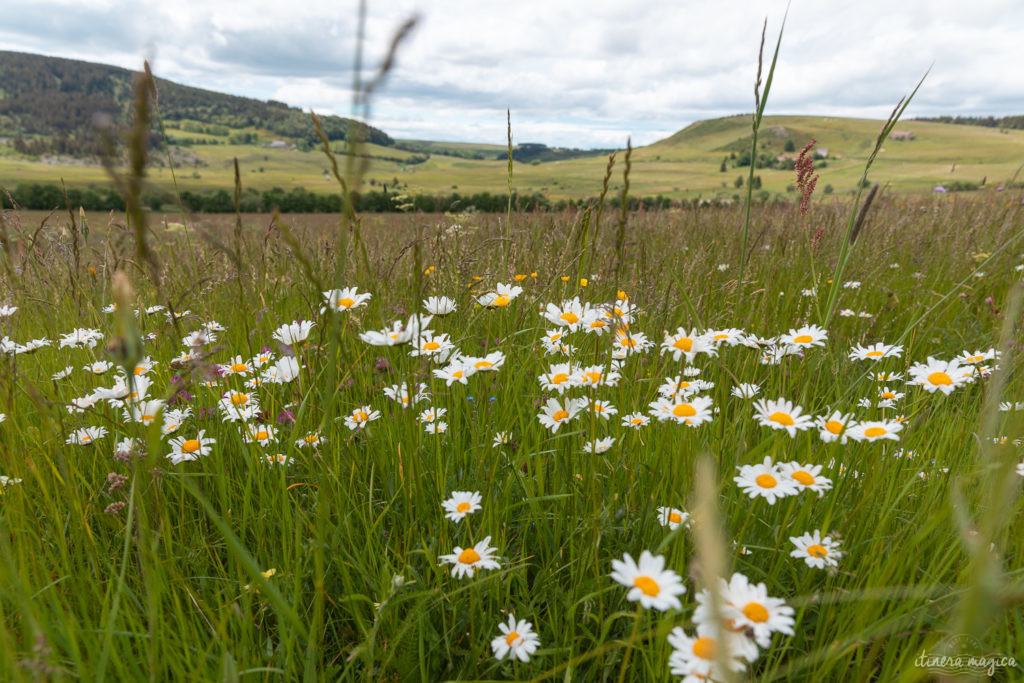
834,426
675,517
239,367
766,481
684,344
345,303
469,556
803,339
559,378
684,410
560,415
594,377
239,399
511,638
781,418
500,300
457,374
597,324
483,364
148,418
360,416
262,435
720,337
705,648
756,612
888,394
647,585
939,378
637,421
570,317
874,431
817,550
139,369
462,507
431,346
312,438
873,354
190,446
627,341
804,477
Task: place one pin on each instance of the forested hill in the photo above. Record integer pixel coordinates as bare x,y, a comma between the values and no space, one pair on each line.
48,105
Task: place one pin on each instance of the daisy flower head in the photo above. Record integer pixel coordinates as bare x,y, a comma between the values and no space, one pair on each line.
294,333
431,344
489,363
399,393
693,411
805,337
782,414
173,417
501,297
235,366
765,480
876,352
672,518
978,356
833,427
99,367
596,322
284,370
727,336
517,640
648,581
502,439
462,503
62,373
599,445
144,411
198,338
595,376
806,477
745,390
635,420
263,434
278,459
676,387
875,430
341,300
561,376
183,449
238,405
554,413
747,608
80,337
312,440
696,658
466,561
360,417
455,372
937,375
86,436
439,305
432,414
569,314
603,409
817,551
687,344
628,343
6,311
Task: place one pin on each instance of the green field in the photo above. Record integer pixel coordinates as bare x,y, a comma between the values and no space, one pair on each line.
164,546
684,165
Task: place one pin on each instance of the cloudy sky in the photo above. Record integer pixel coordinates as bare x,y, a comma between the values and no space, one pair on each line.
578,73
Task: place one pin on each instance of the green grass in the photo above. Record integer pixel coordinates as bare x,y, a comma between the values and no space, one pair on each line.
157,590
683,165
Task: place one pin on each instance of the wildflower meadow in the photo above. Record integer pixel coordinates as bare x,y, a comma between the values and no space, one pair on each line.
462,449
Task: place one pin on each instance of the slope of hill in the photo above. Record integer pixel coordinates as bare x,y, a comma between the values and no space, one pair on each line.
50,102
48,105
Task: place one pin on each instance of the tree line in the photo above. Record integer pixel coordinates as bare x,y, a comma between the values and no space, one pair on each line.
48,197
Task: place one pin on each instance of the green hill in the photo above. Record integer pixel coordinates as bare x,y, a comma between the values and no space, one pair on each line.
47,107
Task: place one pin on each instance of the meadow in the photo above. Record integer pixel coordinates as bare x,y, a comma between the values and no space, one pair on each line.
267,451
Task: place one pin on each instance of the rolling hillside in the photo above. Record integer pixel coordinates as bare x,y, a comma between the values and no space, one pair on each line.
275,146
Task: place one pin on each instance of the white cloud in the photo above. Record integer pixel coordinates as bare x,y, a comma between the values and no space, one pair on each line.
574,73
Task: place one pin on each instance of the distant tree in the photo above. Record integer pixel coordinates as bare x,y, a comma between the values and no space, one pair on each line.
738,182
757,182
722,168
790,147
